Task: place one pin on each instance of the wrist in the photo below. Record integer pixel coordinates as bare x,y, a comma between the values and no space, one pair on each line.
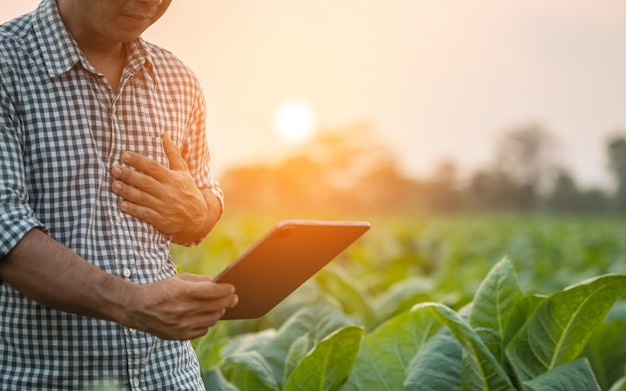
195,233
119,298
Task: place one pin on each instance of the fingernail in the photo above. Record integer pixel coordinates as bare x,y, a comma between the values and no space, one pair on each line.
116,171
127,157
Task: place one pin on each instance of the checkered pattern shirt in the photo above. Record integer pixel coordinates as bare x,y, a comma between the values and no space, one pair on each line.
62,128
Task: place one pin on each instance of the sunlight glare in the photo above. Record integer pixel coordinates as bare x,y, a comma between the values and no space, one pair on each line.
294,120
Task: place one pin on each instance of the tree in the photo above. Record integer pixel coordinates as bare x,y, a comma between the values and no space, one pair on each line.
340,170
616,150
444,194
525,155
493,191
565,196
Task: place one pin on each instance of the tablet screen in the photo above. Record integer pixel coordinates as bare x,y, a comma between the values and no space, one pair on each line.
283,259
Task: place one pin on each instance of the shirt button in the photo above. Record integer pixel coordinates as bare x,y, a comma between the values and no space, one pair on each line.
115,163
136,382
126,272
132,331
118,219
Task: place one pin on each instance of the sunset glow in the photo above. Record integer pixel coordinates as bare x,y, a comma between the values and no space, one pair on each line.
294,121
424,74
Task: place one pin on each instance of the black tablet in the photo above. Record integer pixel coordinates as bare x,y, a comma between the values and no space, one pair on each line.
283,259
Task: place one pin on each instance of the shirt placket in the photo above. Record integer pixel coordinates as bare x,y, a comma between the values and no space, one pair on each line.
137,343
122,249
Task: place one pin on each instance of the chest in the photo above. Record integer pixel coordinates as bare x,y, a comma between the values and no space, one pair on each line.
76,125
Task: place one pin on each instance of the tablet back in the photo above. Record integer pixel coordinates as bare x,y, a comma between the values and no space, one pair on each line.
282,260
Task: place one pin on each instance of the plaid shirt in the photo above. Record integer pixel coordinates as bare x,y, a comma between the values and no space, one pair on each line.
62,128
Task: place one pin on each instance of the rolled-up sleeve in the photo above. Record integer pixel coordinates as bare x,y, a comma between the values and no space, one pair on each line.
197,152
16,215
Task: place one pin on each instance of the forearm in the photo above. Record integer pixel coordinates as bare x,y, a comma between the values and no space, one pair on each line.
182,307
52,274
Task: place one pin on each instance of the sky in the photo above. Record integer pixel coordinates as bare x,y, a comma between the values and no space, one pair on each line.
436,79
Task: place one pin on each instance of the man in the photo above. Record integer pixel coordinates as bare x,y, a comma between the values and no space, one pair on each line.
103,162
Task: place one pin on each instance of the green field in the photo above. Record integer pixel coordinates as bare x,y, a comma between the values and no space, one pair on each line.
472,302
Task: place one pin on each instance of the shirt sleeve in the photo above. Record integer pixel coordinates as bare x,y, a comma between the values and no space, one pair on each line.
197,154
199,137
16,215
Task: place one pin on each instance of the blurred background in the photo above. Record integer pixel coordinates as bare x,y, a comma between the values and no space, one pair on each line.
465,131
408,104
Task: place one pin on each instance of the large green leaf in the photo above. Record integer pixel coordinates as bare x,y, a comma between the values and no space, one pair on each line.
208,348
249,371
619,385
436,366
214,380
403,295
298,349
328,364
338,284
481,369
493,306
248,342
520,314
606,349
386,352
557,331
318,320
576,375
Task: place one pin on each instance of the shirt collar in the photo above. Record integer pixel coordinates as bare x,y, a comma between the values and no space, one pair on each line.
140,55
61,52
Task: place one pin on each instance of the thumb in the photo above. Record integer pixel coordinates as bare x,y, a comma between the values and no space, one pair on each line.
173,154
195,277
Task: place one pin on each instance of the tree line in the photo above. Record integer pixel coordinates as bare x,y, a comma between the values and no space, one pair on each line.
350,170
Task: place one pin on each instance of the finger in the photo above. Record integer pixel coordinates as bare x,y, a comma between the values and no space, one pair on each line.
190,327
219,305
139,180
211,292
226,291
203,325
234,302
148,215
216,290
140,195
173,154
195,277
145,164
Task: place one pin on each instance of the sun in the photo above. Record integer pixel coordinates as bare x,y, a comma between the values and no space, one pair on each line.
294,120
